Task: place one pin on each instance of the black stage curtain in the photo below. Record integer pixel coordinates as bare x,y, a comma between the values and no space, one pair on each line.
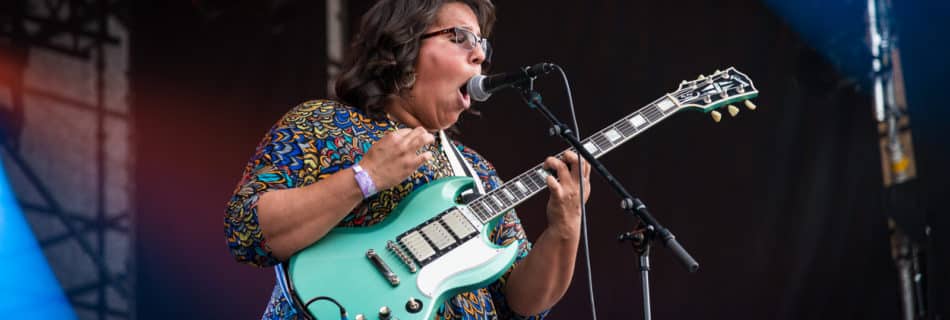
781,205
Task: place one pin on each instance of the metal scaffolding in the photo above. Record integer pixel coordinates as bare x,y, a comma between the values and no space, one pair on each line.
67,61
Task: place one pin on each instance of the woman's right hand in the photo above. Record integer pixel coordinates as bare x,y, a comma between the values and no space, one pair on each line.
396,156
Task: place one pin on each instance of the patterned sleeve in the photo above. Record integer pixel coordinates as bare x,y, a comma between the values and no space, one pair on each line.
508,231
278,160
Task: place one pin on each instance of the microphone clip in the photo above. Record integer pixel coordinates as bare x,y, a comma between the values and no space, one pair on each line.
527,85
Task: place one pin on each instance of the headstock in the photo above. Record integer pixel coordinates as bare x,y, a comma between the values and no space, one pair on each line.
720,89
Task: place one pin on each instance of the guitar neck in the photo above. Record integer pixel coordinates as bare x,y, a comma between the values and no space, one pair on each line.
527,184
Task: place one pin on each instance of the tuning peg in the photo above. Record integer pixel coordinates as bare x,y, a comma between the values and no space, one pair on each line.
716,115
717,71
684,83
733,111
750,105
701,77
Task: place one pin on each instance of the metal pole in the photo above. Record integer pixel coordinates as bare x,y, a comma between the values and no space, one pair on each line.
335,30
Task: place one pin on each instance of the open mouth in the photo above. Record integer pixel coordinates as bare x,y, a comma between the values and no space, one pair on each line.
463,92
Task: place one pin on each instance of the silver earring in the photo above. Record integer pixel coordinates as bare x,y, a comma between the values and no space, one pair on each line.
410,80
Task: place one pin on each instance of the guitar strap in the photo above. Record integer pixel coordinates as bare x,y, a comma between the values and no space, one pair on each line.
459,166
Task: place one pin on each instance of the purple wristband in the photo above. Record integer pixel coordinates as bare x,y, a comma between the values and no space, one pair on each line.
364,181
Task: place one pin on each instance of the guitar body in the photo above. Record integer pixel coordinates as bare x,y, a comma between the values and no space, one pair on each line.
338,267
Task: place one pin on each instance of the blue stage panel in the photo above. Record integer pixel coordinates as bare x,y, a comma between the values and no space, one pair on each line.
28,288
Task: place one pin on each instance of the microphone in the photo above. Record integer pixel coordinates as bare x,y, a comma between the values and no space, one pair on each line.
481,87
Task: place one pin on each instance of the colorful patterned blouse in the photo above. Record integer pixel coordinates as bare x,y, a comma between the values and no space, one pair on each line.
321,137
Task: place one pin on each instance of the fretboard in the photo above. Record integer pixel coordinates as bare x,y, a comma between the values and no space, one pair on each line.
527,184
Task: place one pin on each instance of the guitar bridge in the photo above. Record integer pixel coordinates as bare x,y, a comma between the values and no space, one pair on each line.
402,256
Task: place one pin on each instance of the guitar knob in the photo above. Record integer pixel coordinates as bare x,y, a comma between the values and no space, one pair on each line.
413,305
733,111
385,313
750,105
716,116
360,317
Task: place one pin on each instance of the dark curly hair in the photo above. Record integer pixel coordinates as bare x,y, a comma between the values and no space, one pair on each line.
383,55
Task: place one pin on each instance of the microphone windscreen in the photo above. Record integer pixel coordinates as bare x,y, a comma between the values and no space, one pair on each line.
476,88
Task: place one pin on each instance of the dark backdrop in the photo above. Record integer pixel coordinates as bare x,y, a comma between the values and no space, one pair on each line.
781,206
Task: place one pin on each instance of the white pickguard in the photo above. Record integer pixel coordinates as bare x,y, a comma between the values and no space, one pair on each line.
471,254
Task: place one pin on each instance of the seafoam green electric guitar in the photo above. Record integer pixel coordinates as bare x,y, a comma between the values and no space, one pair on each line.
431,248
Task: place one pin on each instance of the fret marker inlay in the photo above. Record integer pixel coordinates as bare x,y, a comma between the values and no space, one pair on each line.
612,135
521,187
638,121
508,194
497,202
485,207
665,104
541,173
590,147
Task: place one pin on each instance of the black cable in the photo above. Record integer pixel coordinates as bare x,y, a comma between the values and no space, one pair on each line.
338,305
580,187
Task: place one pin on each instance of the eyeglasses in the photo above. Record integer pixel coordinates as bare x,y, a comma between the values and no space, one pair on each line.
467,39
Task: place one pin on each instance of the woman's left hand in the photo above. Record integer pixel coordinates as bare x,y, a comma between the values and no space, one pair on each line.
564,207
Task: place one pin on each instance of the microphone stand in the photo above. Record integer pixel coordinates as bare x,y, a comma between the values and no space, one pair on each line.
640,237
